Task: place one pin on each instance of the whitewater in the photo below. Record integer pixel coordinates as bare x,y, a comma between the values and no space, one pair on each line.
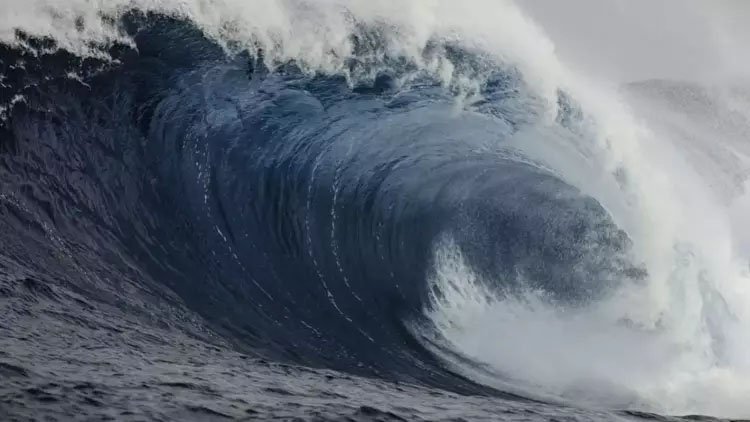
374,210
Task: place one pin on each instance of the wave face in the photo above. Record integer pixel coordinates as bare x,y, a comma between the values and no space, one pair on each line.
336,187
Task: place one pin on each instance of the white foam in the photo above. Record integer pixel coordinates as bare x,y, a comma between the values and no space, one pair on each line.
595,355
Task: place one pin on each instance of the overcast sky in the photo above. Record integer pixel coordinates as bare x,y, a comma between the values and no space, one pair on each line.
629,40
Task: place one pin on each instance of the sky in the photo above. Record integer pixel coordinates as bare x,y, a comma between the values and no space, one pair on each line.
631,40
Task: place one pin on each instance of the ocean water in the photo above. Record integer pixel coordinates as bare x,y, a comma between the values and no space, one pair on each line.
354,210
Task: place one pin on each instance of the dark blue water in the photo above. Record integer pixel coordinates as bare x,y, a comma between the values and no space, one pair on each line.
181,209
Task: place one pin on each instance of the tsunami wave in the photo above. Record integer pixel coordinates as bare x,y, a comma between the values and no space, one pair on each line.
412,192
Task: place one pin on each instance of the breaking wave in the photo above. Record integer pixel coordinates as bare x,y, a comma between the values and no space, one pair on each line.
418,192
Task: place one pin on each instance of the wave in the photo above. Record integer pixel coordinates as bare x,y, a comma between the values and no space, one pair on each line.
415,192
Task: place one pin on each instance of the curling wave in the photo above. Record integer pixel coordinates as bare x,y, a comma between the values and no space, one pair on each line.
417,206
